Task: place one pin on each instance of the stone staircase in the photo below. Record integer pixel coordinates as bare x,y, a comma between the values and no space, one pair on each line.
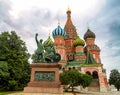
94,86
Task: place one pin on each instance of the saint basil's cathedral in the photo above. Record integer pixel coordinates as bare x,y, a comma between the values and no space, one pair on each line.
82,55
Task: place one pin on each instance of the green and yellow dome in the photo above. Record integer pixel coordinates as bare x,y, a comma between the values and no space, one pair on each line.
78,42
48,42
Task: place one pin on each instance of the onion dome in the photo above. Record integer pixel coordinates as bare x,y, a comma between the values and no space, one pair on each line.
89,34
78,42
58,31
48,42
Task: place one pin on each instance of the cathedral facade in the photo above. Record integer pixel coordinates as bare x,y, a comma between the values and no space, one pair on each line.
82,55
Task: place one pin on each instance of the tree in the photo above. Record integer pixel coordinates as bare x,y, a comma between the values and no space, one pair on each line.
74,78
114,79
85,80
14,58
70,77
4,74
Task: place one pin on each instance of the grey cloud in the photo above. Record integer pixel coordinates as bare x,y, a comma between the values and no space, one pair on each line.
4,10
113,4
114,28
28,23
33,21
33,18
5,17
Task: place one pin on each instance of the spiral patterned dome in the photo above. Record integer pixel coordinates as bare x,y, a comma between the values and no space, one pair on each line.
48,42
78,42
58,32
89,34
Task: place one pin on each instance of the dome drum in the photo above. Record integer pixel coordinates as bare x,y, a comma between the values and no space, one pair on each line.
92,47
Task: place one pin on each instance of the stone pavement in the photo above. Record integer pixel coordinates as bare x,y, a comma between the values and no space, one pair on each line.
99,93
39,94
80,93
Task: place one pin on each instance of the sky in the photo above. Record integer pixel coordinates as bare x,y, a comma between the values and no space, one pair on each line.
28,17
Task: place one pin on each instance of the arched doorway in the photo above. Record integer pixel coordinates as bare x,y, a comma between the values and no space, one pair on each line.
94,86
95,75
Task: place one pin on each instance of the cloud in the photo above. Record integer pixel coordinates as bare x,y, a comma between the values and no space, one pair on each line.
29,22
102,16
5,17
113,25
109,19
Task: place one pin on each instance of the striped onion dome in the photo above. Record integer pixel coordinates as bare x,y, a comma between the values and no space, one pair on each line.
58,31
48,42
78,42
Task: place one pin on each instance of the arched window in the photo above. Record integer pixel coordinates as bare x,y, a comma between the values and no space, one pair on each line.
74,68
69,68
88,73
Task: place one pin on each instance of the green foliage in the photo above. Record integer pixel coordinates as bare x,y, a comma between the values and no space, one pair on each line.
12,84
70,77
14,66
85,80
74,78
114,78
4,69
8,92
4,73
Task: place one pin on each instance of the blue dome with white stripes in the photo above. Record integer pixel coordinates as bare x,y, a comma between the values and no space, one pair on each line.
58,32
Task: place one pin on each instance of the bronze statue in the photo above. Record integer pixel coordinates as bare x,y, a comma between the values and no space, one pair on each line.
45,53
40,50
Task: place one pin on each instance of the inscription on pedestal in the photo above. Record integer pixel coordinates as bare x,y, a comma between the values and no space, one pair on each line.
44,76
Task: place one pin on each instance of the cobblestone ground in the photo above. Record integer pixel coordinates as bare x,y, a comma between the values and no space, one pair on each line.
80,93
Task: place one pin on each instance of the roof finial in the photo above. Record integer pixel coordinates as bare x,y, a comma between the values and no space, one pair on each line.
58,22
49,33
88,27
68,10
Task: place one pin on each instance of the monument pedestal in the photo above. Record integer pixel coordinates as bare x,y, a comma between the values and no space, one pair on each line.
44,79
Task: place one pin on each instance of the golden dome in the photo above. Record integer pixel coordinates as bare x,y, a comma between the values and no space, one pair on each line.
68,11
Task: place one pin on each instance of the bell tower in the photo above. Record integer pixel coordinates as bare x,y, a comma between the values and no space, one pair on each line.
71,35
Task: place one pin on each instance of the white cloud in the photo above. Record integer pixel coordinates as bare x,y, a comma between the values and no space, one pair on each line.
40,16
28,17
81,7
